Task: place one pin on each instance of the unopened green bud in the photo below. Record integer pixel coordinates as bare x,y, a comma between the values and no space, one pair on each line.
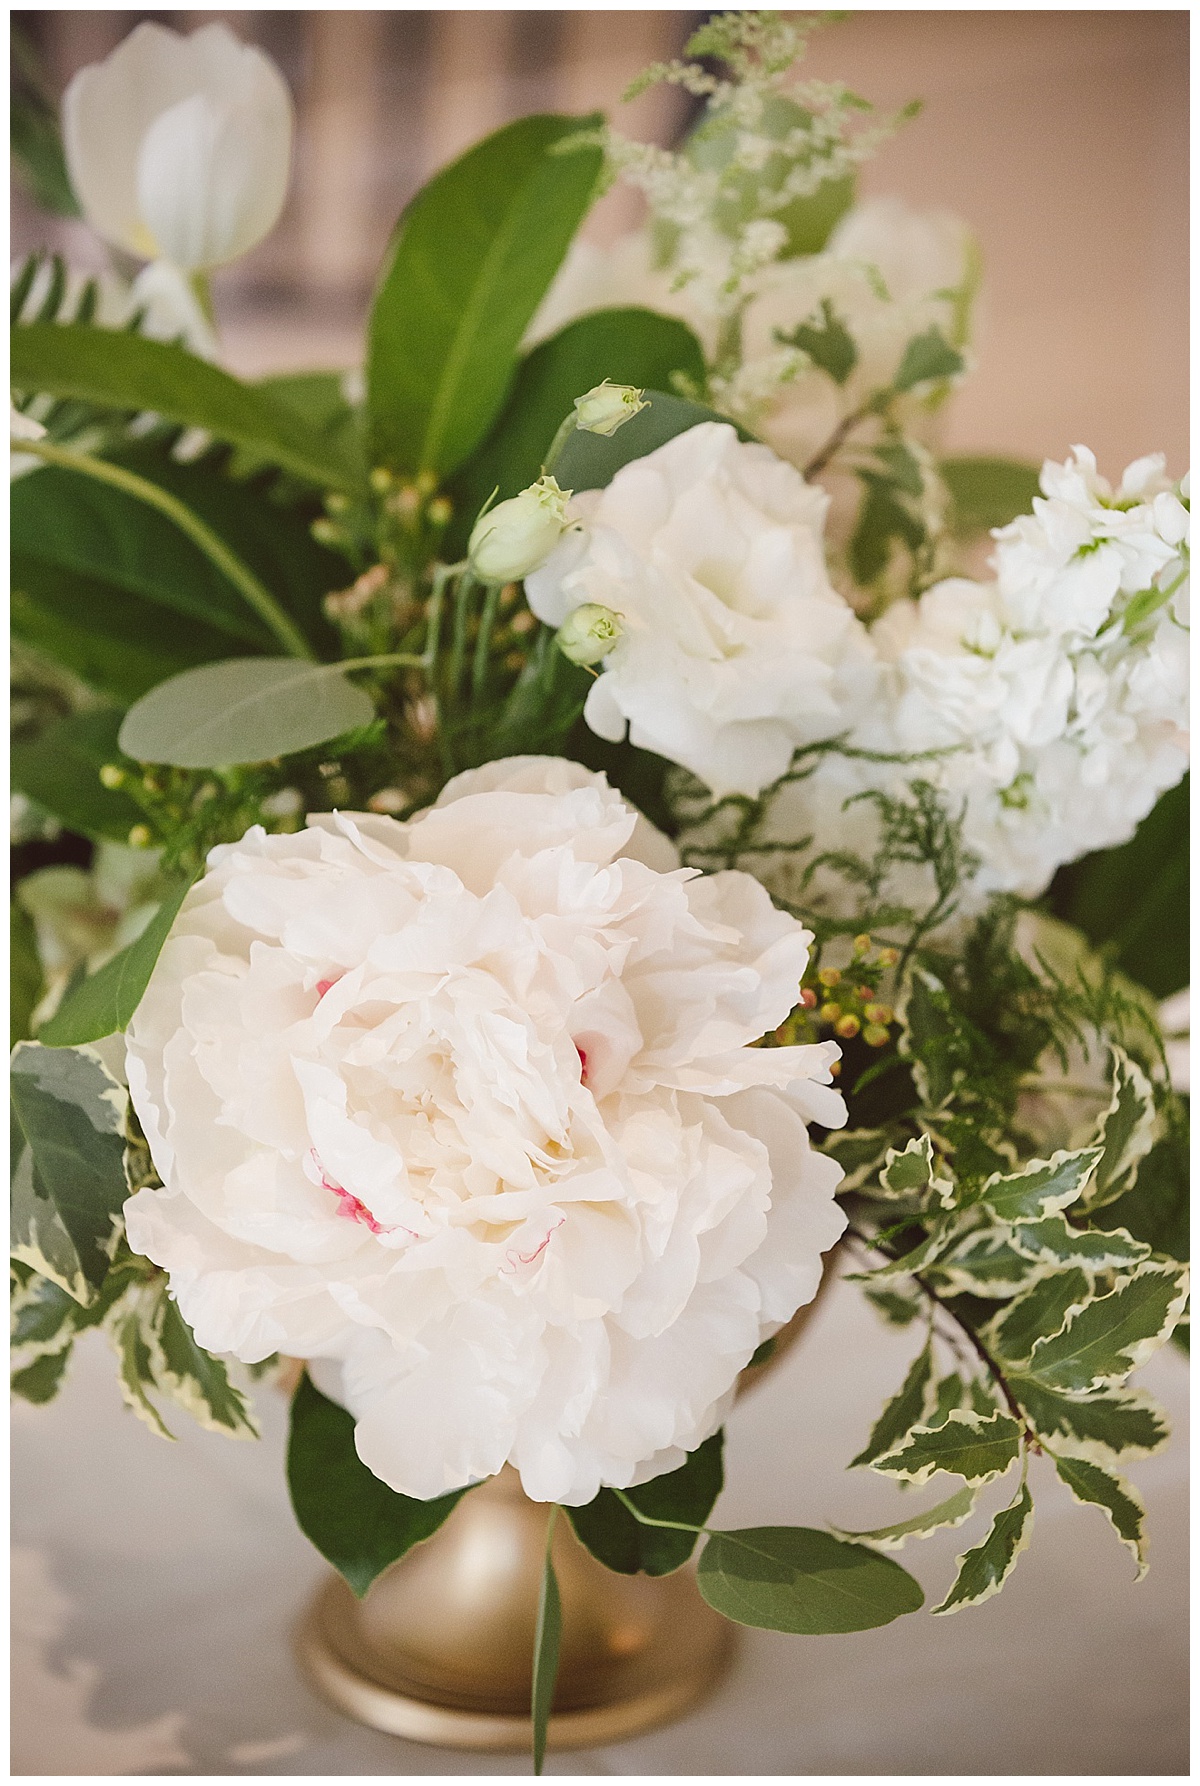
603,409
589,634
516,536
140,837
112,775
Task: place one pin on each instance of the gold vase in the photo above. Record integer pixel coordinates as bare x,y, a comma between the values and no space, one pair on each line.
440,1648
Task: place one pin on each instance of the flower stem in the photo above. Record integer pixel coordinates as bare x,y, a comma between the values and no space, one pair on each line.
256,594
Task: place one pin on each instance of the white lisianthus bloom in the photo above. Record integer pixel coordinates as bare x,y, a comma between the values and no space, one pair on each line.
468,1108
735,647
1047,706
179,148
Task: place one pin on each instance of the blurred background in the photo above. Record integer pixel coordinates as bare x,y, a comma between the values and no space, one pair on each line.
1061,137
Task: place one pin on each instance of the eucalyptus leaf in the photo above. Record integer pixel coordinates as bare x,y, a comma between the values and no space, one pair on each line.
103,1004
547,1640
356,1521
970,1445
245,710
471,260
988,492
122,371
687,1494
68,1191
793,1578
953,1511
60,769
1112,1336
983,1571
1119,1500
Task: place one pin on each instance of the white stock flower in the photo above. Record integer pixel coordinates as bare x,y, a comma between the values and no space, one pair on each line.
735,646
178,147
468,1106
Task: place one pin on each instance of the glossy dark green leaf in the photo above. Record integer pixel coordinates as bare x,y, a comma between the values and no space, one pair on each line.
245,710
117,643
356,1521
987,492
67,1160
687,1494
1136,897
547,1641
103,1004
630,346
126,372
60,769
471,260
793,1578
589,461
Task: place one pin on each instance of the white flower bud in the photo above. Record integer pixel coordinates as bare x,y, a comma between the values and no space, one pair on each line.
516,536
179,147
603,409
589,634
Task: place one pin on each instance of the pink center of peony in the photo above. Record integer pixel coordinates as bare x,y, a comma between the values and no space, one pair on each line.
514,1259
349,1205
323,987
582,1053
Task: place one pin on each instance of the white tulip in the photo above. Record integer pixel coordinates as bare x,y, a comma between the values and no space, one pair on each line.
179,147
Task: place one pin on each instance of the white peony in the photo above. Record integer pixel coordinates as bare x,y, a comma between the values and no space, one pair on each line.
179,148
735,647
468,1107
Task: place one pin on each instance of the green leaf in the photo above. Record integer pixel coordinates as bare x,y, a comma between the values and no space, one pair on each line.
1114,1423
859,1152
60,769
950,1394
1136,897
544,703
123,371
926,357
1156,1210
687,1494
927,1030
970,1445
1054,1242
988,492
41,1381
43,1315
1041,1188
1119,1500
986,1263
25,982
983,1571
630,346
245,710
793,1578
590,461
103,1004
881,519
953,1511
195,1379
68,1174
1112,1336
828,343
943,1232
1126,1131
91,530
1038,1313
471,260
356,1521
897,1310
136,1368
117,643
547,1639
905,1410
907,1173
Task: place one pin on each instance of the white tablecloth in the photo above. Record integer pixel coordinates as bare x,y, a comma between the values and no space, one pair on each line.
155,1586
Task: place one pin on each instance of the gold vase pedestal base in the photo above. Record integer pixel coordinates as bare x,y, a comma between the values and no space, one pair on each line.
440,1650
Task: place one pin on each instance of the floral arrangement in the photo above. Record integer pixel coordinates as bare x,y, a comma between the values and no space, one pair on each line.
504,790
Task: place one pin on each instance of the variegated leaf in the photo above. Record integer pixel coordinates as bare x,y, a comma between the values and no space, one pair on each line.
1038,1313
193,1378
1098,1487
906,1409
951,1512
1056,1243
984,1570
1104,1427
1113,1335
1125,1133
987,1264
859,1153
1041,1188
970,1445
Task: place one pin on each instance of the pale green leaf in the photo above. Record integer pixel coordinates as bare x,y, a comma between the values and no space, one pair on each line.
983,1571
1118,1499
245,710
104,1003
793,1578
968,1444
1113,1335
905,1410
953,1511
